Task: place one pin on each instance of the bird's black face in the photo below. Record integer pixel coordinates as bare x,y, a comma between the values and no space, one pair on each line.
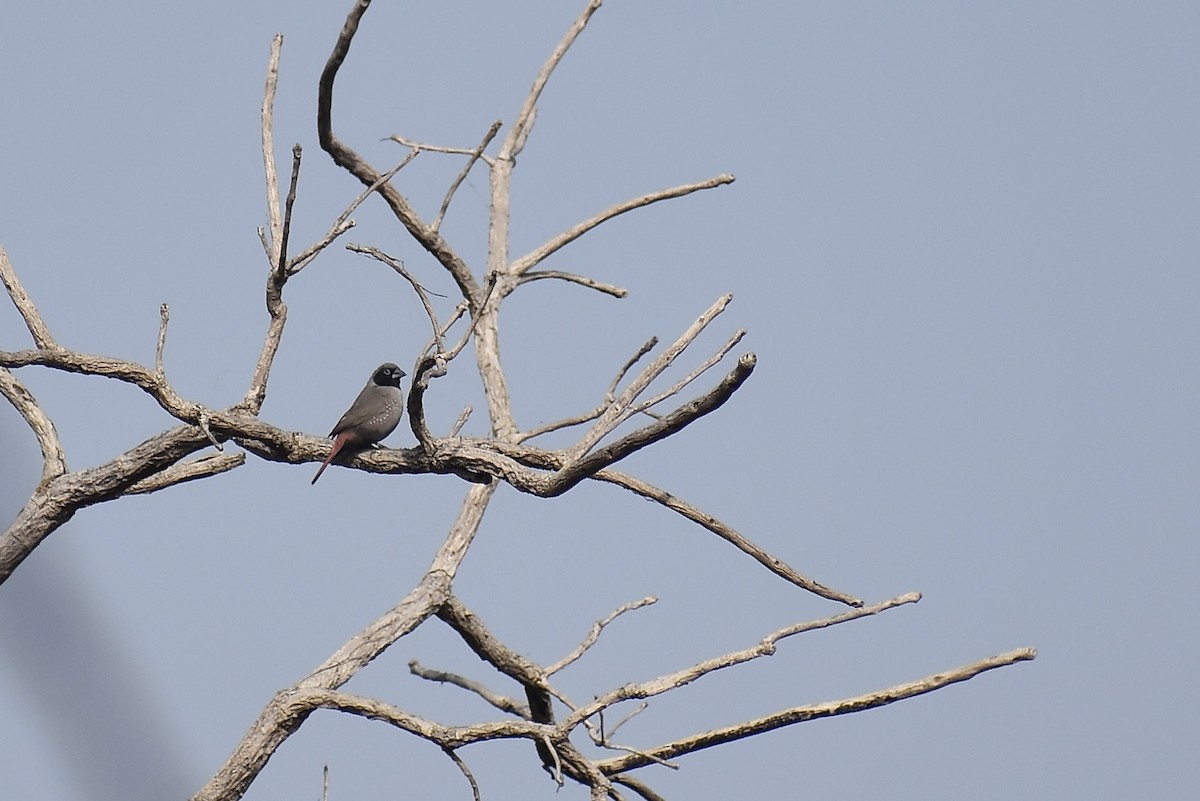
388,375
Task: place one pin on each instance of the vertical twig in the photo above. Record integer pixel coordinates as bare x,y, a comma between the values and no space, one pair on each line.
164,316
462,176
268,149
276,246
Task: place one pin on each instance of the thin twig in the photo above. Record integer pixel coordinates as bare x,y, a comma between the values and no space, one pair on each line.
725,532
281,260
399,267
515,141
582,280
425,147
343,223
576,469
460,422
765,647
639,709
646,347
538,255
594,634
613,416
476,154
682,384
638,787
558,775
462,766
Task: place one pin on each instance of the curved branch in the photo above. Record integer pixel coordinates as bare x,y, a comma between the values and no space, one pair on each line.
594,634
54,458
349,160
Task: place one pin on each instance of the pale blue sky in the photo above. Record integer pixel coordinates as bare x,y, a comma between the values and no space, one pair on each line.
963,239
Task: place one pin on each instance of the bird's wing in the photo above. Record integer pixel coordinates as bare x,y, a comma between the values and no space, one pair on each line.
365,406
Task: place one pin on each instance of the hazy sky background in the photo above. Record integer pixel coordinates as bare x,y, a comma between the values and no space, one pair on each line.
963,239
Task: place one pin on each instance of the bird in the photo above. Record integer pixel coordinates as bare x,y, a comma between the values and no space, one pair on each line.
374,414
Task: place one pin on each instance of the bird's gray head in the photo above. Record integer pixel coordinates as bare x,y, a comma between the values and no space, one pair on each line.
388,375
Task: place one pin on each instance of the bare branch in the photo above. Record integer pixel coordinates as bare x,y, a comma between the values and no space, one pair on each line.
120,369
281,260
399,267
425,147
276,247
490,649
343,223
660,429
582,280
501,702
29,313
679,386
594,634
646,347
638,787
462,766
54,502
447,737
349,160
725,532
463,416
613,416
557,771
537,256
800,714
476,154
766,647
273,246
54,458
609,395
639,709
516,138
290,707
180,473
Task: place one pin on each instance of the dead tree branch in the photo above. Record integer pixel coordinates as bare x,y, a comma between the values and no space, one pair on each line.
503,454
800,714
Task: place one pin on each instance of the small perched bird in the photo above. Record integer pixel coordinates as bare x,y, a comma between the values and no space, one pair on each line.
374,414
